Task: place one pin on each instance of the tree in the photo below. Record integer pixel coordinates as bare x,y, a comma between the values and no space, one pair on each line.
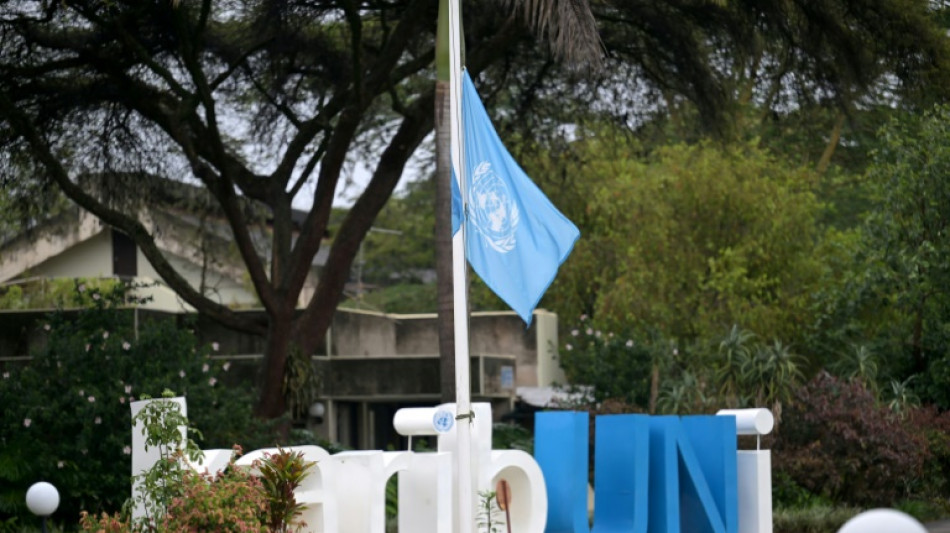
262,102
252,101
687,241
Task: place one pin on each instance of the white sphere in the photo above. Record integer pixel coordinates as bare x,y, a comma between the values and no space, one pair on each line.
42,498
882,521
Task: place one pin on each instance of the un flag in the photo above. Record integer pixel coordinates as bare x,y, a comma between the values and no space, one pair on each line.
515,238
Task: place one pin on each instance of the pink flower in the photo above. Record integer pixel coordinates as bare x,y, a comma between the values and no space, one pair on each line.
215,346
126,345
212,381
92,399
27,422
205,367
98,420
122,399
82,287
127,450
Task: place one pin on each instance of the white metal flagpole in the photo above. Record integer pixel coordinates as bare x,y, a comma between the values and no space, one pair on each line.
466,486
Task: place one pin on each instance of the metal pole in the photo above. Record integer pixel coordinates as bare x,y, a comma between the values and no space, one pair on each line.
466,485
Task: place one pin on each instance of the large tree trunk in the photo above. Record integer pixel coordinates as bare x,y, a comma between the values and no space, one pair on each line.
443,210
272,402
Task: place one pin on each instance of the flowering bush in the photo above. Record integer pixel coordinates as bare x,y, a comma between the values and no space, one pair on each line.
616,366
66,415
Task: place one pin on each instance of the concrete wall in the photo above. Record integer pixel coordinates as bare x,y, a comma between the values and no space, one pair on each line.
363,333
88,259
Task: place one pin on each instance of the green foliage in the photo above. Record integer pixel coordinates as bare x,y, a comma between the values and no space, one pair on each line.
165,427
815,519
176,498
893,300
55,293
79,385
511,437
616,365
687,240
489,518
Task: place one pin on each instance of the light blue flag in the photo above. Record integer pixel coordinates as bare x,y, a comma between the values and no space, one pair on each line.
515,238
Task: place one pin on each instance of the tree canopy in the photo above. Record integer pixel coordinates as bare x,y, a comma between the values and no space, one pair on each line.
262,103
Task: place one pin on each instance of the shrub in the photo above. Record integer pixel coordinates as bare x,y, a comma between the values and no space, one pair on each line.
837,442
176,498
66,415
616,366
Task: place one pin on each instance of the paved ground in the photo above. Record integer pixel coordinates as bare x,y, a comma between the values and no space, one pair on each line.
942,526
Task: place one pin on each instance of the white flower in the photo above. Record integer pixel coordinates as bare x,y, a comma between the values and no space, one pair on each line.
597,334
568,347
98,420
122,399
212,381
84,451
205,367
82,392
126,345
127,450
574,332
215,346
6,375
226,366
181,373
46,327
87,347
27,422
675,351
105,334
92,399
589,331
629,344
610,335
128,389
82,287
583,317
95,296
60,464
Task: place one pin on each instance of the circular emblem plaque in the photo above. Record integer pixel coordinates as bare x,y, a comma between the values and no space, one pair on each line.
443,421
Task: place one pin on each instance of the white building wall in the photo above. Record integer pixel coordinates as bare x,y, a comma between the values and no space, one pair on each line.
91,258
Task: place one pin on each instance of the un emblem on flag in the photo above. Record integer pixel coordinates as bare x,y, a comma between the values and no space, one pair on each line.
493,213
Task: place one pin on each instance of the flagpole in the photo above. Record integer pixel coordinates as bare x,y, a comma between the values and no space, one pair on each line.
466,485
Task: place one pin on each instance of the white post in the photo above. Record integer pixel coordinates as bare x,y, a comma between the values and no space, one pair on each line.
466,499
